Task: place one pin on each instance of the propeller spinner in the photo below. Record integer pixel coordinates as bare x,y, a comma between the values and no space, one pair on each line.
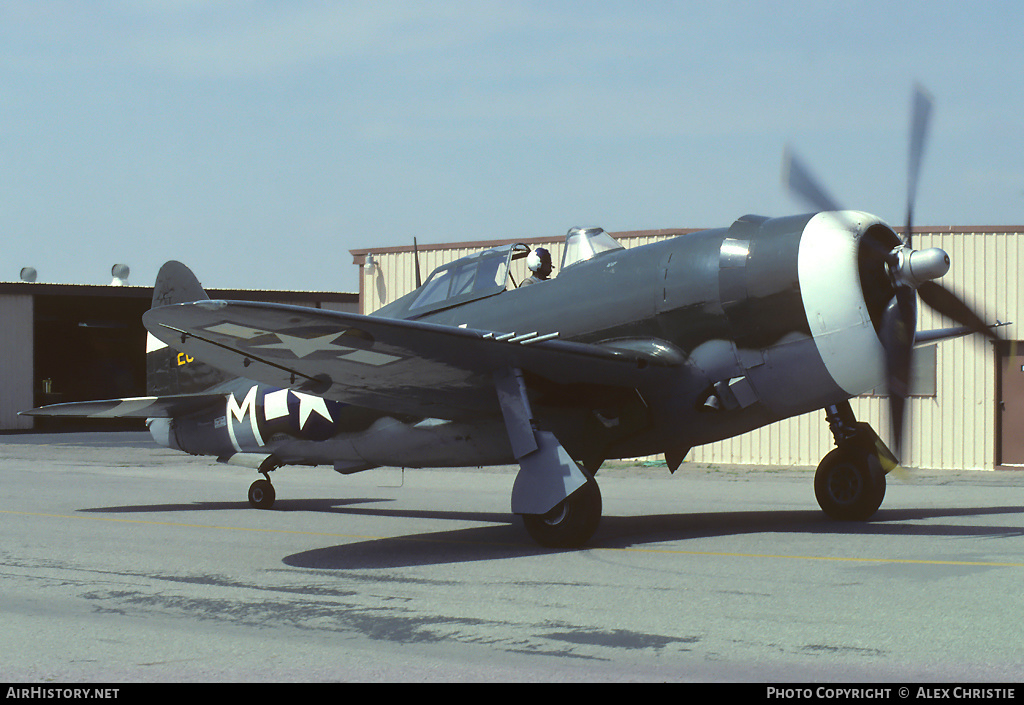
910,273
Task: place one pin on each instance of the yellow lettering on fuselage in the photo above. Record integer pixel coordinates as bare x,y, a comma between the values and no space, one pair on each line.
184,359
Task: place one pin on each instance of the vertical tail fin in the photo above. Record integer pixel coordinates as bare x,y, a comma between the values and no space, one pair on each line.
167,370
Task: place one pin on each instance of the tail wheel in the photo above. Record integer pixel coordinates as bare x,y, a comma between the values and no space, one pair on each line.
847,485
262,494
571,523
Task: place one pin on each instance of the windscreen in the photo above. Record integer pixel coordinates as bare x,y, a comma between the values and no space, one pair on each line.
582,244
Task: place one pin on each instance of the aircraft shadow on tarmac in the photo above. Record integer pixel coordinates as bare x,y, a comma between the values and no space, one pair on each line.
504,536
509,539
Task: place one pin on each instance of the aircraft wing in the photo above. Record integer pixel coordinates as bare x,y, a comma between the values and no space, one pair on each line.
132,407
929,337
399,366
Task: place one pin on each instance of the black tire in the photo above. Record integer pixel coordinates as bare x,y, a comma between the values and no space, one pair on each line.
571,523
262,494
848,486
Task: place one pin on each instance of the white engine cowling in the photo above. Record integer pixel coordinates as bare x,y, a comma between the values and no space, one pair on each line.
844,294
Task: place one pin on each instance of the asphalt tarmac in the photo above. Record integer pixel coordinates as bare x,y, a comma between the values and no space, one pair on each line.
124,562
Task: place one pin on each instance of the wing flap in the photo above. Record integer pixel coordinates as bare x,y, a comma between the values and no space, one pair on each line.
394,365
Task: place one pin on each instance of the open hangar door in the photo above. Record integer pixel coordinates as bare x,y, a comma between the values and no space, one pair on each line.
87,347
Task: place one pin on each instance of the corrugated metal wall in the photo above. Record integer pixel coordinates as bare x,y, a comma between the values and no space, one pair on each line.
16,359
955,429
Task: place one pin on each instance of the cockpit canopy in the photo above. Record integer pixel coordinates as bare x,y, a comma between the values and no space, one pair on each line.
582,244
467,278
486,273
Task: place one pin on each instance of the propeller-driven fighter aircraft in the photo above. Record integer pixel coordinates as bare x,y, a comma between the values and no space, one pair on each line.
624,353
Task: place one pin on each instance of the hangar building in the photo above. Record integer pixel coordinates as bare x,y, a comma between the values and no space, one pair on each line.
966,409
64,342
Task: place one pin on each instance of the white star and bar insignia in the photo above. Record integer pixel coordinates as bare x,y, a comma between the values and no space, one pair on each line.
303,347
275,405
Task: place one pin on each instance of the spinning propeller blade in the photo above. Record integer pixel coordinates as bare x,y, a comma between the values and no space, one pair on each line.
798,180
899,320
920,116
947,303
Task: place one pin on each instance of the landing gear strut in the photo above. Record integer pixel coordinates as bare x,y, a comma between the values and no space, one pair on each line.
850,481
558,499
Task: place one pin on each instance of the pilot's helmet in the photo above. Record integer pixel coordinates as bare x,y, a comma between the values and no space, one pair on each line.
537,260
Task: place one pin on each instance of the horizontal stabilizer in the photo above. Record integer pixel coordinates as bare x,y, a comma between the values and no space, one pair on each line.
130,408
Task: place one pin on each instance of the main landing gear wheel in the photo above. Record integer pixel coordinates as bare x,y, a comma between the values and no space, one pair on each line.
571,523
261,494
847,484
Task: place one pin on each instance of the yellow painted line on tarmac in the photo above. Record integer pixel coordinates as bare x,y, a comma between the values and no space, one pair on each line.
625,549
838,559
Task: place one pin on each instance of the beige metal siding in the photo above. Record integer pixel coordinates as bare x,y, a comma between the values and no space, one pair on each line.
340,306
16,361
955,429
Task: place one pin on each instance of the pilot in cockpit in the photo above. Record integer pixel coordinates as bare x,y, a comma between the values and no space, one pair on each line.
539,263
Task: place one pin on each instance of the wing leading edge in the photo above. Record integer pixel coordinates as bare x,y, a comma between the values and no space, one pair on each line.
399,366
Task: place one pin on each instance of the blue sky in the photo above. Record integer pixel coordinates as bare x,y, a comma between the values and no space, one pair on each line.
259,141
